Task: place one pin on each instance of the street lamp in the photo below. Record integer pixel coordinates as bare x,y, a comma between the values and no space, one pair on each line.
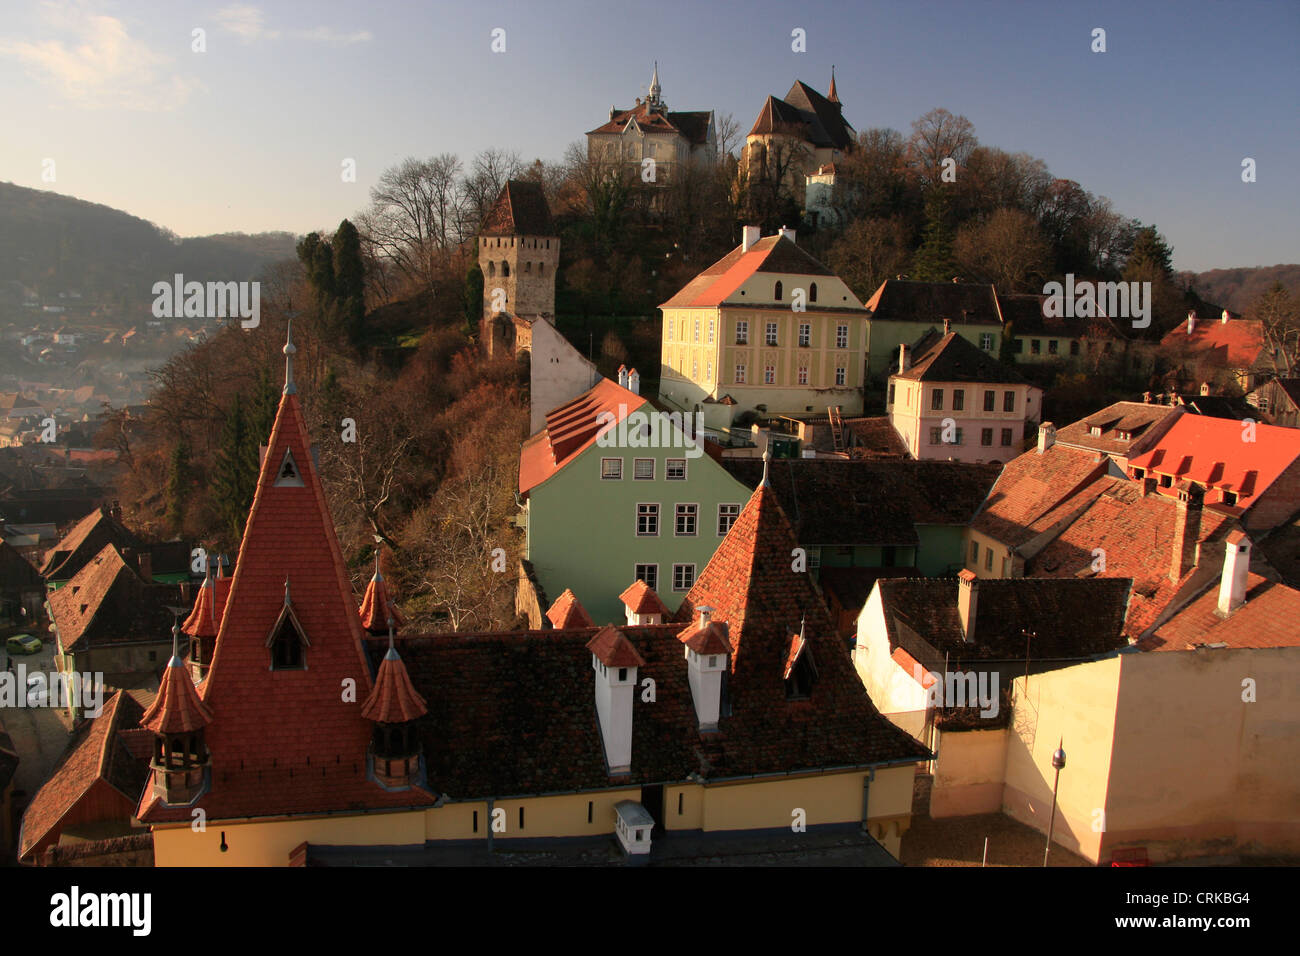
1058,761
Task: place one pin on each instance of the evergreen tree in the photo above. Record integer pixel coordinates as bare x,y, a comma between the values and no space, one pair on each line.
934,261
349,272
179,477
1151,256
473,298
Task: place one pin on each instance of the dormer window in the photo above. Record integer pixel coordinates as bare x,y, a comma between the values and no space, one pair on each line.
800,669
1229,497
288,476
287,641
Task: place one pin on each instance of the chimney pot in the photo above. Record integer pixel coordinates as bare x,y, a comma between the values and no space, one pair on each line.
1187,529
904,361
947,326
706,614
1191,322
749,237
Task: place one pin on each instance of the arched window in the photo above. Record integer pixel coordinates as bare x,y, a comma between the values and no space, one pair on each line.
528,266
492,269
812,292
779,290
541,268
505,268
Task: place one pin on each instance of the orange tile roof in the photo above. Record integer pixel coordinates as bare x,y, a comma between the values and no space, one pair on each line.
1267,619
394,699
706,640
567,611
203,618
1211,452
719,281
913,667
571,429
1036,492
1237,343
177,709
640,598
377,606
613,649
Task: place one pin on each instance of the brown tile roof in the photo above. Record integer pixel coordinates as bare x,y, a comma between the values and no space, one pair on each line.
1142,423
773,254
901,300
86,539
520,210
693,125
95,753
869,503
568,612
394,699
953,359
177,709
640,598
1267,619
806,113
107,602
872,437
1070,619
711,639
613,649
1034,493
1136,533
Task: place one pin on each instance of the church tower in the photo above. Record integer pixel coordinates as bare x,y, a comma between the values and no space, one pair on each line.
518,252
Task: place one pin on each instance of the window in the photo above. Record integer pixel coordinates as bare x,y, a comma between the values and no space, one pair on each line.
1035,347
622,676
521,816
803,375
1017,346
936,399
695,366
988,559
975,553
740,373
989,399
647,520
287,644
686,515
611,469
891,393
805,335
769,375
934,436
841,336
727,515
742,332
1004,567
1006,436
590,808
675,469
986,341
708,370
956,440
1051,346
476,821
958,399
986,437
888,556
681,799
779,291
711,331
1229,497
1166,481
812,292
1008,401
697,330
683,576
841,376
799,685
771,333
643,469
1074,347
649,573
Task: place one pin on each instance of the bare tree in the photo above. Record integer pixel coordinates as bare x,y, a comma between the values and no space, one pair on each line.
726,130
1006,249
414,217
491,170
938,136
1277,313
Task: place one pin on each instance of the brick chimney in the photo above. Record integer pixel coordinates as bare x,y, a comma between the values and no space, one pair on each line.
1149,483
1236,565
967,603
904,360
1046,436
1187,528
749,237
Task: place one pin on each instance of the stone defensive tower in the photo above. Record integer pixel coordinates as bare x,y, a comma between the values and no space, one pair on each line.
518,252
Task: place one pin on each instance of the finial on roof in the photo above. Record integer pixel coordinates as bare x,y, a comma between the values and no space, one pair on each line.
176,644
378,576
767,458
654,84
286,590
392,651
289,351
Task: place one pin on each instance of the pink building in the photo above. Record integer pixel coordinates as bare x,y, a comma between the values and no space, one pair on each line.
954,401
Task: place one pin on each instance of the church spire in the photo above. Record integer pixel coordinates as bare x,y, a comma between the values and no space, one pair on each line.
653,99
831,94
289,351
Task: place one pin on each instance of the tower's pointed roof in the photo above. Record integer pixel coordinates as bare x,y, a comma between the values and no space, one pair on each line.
203,619
378,606
177,709
831,94
394,699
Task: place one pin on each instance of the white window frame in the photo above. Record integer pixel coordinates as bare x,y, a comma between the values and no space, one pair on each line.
655,515
711,324
771,334
677,571
638,461
731,518
841,375
654,566
803,374
740,373
607,477
668,469
769,374
805,334
841,336
742,331
693,516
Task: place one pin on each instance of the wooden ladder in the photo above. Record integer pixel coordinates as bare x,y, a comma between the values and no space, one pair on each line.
837,427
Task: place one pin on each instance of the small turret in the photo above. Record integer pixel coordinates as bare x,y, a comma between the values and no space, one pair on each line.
177,720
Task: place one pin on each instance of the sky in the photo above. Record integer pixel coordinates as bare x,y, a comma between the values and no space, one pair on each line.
115,101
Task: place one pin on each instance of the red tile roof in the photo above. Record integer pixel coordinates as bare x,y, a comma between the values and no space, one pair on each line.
1141,422
571,429
716,284
377,606
86,539
613,649
520,210
706,640
394,699
177,709
567,612
693,125
204,617
1212,453
640,598
1267,619
1237,343
1035,493
287,741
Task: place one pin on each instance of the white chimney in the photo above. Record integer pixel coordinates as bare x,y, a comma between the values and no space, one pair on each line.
634,382
904,362
1205,388
967,603
642,605
749,237
1046,436
1224,320
706,653
1191,322
615,661
622,375
787,232
1236,565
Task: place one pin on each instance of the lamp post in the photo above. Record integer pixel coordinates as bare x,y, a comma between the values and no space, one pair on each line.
1058,761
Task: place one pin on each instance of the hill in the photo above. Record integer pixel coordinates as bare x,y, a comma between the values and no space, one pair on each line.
1238,288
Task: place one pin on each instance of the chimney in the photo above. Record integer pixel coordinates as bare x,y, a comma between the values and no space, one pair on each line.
947,326
904,361
1205,388
749,236
1191,322
1224,320
634,382
967,603
615,661
613,111
1147,398
707,649
622,375
787,232
1187,528
1046,436
1149,483
1236,565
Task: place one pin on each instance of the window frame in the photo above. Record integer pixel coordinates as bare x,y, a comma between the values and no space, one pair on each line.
679,569
646,517
668,469
639,461
607,477
686,511
722,532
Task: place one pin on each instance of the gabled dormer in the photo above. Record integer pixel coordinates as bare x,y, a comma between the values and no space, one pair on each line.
800,668
287,641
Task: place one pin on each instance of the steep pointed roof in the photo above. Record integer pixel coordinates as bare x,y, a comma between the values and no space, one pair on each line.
394,699
203,619
177,709
641,598
377,606
288,741
520,210
568,612
831,94
87,538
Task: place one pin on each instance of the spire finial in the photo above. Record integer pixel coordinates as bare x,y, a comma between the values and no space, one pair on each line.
392,651
767,458
286,591
176,644
289,350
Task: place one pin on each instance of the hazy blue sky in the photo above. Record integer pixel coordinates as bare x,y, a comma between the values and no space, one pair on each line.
250,134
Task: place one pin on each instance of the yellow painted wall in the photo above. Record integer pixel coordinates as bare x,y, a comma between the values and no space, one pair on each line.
269,843
562,816
970,772
692,804
1000,552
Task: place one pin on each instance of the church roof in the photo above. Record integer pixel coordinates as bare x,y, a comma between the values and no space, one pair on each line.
805,112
